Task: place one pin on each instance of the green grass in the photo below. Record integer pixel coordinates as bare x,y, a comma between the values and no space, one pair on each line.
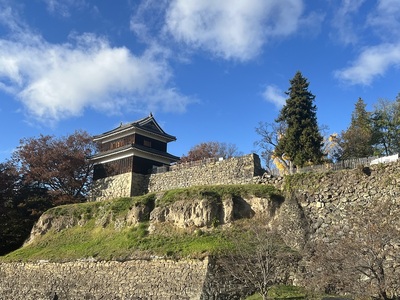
290,292
254,297
102,241
107,244
279,292
90,210
287,292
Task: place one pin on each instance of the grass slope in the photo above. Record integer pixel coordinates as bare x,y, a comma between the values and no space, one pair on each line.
100,237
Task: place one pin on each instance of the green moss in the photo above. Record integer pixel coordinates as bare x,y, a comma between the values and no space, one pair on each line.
300,180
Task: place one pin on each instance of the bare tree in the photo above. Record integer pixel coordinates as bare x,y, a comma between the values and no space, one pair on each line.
366,262
259,258
270,134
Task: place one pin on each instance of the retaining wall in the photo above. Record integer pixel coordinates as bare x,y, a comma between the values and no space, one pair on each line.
112,187
332,201
236,170
137,279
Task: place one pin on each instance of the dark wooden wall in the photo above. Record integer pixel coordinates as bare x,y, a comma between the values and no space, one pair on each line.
136,139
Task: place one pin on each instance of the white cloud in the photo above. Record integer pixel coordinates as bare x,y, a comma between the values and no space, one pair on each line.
233,29
57,81
343,21
274,95
384,21
63,7
148,19
373,61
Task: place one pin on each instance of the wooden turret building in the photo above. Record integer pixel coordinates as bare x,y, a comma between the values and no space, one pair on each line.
126,154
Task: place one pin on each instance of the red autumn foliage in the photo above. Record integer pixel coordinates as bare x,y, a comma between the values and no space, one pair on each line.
59,164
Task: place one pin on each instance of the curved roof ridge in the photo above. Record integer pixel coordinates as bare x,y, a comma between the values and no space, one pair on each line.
140,124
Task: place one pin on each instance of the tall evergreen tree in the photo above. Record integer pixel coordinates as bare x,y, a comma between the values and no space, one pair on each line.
302,141
358,139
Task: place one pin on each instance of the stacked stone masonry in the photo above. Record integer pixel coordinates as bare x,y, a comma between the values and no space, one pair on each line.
137,279
112,187
237,170
333,201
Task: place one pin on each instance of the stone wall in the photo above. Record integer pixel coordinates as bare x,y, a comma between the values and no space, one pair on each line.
357,208
137,279
332,201
237,170
139,184
112,187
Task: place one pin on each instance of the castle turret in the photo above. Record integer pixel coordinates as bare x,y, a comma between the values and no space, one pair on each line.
133,148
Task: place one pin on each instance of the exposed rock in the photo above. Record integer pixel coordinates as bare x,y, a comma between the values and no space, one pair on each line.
209,213
138,213
191,213
50,222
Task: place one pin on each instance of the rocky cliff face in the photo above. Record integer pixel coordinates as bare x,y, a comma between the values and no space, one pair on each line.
201,213
103,213
190,213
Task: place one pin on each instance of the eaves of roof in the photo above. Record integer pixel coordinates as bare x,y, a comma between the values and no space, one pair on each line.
135,147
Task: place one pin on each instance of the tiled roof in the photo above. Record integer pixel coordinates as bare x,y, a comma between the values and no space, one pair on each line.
148,124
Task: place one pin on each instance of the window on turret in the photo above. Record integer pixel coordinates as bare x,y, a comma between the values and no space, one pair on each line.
147,143
116,144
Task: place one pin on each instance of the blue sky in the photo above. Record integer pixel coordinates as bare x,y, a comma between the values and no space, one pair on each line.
208,70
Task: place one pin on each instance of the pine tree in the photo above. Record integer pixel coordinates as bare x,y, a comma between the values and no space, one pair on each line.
357,140
302,141
386,127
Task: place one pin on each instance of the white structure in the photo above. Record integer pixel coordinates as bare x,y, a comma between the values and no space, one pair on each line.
385,159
